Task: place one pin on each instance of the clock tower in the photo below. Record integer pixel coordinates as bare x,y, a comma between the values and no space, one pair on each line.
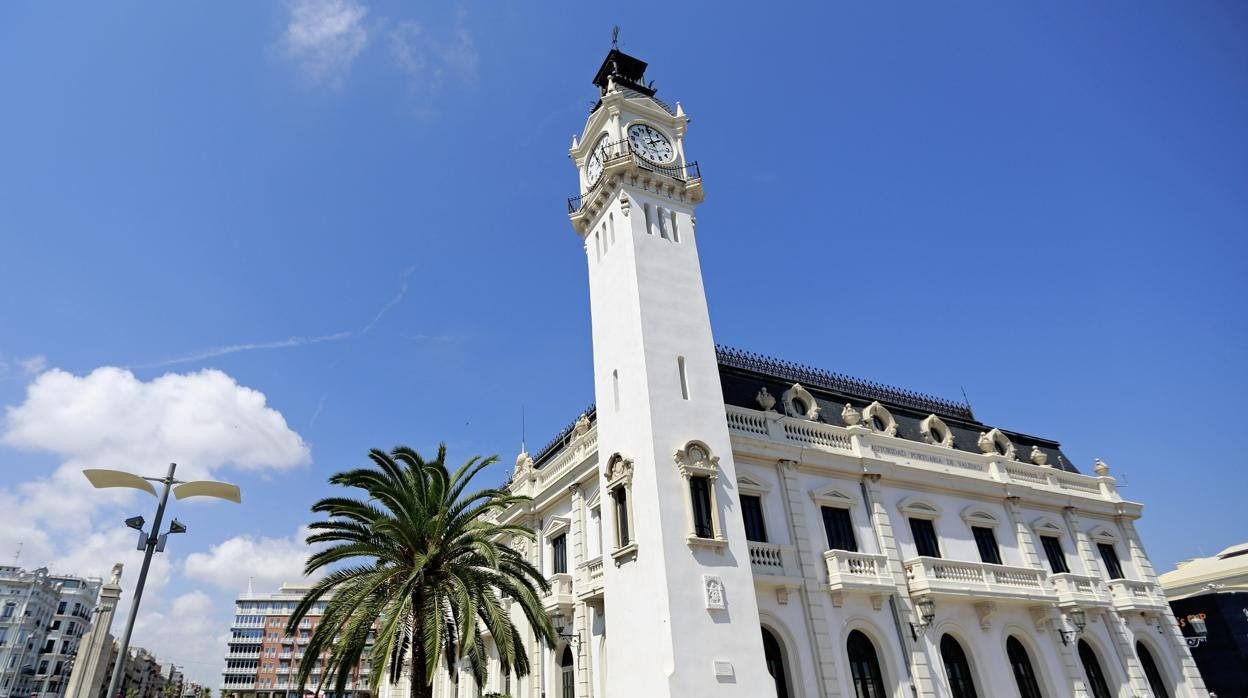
681,615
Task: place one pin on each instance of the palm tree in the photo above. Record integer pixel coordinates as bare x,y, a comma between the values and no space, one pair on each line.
421,564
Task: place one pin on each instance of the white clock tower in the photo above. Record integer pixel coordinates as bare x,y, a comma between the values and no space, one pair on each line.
681,615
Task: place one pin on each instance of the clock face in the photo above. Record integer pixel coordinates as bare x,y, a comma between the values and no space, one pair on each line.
593,168
650,143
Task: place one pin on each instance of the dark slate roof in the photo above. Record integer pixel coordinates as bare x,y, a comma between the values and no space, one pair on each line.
742,374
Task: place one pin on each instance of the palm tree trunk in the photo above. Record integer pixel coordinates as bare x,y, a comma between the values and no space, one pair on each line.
421,687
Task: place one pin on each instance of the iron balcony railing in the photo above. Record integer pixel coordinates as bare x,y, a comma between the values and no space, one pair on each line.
618,150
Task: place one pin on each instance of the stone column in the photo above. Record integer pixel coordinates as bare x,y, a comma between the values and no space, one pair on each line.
813,592
920,661
1026,544
1113,623
1170,626
91,663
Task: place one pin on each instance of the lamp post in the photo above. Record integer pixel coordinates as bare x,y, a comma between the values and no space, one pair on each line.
1080,620
149,544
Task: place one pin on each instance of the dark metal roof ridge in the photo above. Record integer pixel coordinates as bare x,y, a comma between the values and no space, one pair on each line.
562,438
828,380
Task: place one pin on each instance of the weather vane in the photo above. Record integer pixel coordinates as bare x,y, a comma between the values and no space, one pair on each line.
615,36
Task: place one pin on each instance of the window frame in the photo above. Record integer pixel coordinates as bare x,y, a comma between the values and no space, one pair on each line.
752,517
826,513
980,533
1048,554
921,549
696,460
619,477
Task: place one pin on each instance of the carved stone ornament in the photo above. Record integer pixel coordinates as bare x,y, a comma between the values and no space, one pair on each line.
1037,456
798,402
1100,468
878,418
765,399
993,441
619,468
935,431
696,459
524,463
985,610
625,204
713,587
851,416
115,578
582,425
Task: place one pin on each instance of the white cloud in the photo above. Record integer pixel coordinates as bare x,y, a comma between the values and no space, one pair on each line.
267,561
431,58
325,36
34,364
109,418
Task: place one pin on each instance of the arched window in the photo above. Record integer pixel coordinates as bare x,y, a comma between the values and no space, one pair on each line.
1092,668
1024,674
1155,681
773,653
565,670
864,667
957,668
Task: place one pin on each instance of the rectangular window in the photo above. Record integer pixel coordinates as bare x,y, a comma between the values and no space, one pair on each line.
925,537
684,379
752,515
700,493
1053,550
986,540
61,608
559,554
621,515
839,529
1110,557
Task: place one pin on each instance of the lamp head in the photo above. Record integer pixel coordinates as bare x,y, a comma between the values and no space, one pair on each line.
927,610
557,619
1198,624
177,527
1079,618
135,522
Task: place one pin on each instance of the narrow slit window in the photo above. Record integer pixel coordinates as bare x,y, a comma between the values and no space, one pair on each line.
598,244
663,224
615,388
611,226
675,231
649,224
684,378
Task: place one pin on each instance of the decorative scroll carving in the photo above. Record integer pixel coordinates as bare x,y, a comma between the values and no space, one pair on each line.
993,441
878,418
935,431
798,402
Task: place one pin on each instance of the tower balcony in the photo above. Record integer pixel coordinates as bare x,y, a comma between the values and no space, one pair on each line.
1131,595
933,576
1078,590
620,159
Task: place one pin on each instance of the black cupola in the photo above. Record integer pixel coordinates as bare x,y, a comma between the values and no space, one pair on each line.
625,69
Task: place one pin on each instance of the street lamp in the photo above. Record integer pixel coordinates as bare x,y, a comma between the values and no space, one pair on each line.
925,609
149,544
1080,620
558,619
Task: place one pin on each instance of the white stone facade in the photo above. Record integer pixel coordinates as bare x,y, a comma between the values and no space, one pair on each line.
42,618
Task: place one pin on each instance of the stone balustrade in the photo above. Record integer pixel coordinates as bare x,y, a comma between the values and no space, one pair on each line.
939,577
772,559
1078,590
1131,595
850,571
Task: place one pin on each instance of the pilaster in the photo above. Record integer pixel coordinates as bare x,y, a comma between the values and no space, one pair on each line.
1026,544
915,652
816,612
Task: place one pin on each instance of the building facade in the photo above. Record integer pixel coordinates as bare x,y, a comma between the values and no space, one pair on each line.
42,618
97,650
262,661
731,525
1209,597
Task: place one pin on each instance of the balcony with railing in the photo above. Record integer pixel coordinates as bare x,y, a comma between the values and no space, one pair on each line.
1078,590
860,572
773,562
619,156
589,583
953,578
1131,595
559,598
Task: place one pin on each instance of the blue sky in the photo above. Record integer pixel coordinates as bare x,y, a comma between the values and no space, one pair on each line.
353,213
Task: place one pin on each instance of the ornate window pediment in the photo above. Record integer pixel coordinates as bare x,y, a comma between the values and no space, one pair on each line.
978,516
935,431
619,469
833,497
749,485
878,418
1045,526
555,525
919,508
993,441
696,459
1103,534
